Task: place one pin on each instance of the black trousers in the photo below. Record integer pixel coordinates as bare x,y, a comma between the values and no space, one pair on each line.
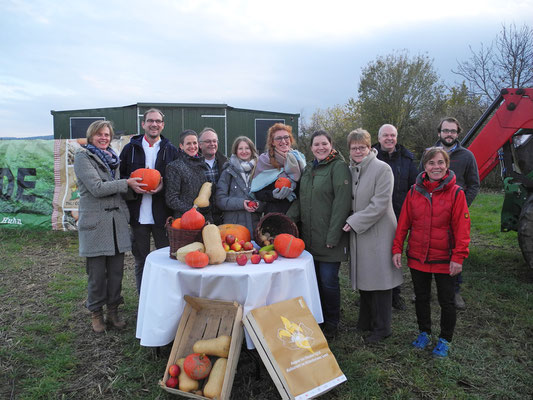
375,312
140,246
446,295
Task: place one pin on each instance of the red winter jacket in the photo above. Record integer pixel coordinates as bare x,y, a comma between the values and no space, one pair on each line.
437,216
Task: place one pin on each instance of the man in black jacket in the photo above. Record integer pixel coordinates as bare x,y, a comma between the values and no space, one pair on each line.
148,210
404,169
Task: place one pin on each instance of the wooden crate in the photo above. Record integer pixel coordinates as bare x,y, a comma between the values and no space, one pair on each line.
207,319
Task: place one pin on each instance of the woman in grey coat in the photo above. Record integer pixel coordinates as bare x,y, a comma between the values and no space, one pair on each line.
372,227
233,187
103,223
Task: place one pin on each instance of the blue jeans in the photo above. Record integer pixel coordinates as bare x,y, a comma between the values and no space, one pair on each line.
327,274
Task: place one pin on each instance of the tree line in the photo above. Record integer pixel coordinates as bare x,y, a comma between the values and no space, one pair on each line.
405,90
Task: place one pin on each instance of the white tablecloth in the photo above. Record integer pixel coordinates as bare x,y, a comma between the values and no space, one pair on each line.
165,282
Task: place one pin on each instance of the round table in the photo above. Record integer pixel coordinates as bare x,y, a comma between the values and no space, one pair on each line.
165,281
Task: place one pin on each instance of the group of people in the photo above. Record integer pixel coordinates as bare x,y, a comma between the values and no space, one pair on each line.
361,210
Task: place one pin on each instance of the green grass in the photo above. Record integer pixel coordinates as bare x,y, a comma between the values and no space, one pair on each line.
48,350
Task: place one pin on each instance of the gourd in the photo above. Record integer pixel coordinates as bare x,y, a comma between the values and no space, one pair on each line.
151,177
288,246
239,231
213,244
282,182
197,366
192,220
176,224
214,347
213,387
203,196
183,251
196,259
186,383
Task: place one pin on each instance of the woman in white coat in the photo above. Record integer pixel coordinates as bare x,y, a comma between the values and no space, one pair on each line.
372,227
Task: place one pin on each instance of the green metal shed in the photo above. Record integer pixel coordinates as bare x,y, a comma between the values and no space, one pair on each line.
228,122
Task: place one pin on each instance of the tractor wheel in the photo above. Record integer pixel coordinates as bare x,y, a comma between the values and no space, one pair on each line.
525,231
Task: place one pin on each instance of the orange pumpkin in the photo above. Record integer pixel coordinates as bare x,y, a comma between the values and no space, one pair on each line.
176,224
197,366
192,220
196,259
151,177
239,231
288,246
282,182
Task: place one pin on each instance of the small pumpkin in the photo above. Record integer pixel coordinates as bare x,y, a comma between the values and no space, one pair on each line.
151,177
239,231
192,220
282,182
197,366
176,224
196,259
288,246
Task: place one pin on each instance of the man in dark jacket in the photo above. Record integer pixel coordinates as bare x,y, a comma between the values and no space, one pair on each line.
404,169
463,164
148,210
208,140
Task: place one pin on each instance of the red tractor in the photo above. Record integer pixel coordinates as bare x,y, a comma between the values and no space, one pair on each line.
504,135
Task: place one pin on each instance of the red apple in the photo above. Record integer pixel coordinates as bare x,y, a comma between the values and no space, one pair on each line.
248,246
230,239
274,254
241,259
255,259
236,246
172,382
241,242
269,258
174,370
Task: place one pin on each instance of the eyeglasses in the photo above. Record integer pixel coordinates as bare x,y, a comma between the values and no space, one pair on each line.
279,139
454,131
215,141
359,149
157,121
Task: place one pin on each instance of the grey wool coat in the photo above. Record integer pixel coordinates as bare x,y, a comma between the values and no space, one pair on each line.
373,226
101,205
230,195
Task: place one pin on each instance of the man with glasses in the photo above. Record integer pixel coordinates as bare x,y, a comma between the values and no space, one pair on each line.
148,210
463,164
208,140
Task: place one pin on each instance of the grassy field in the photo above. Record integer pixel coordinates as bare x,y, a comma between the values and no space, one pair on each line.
48,350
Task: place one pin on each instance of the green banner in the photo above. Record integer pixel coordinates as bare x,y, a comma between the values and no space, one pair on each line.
26,183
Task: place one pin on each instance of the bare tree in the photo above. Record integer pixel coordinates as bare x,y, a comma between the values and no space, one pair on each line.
506,62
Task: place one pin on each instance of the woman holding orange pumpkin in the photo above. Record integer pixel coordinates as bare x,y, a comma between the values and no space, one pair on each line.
233,187
321,208
185,176
103,223
279,160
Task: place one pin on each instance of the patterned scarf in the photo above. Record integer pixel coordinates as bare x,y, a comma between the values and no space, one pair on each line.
334,154
108,157
244,168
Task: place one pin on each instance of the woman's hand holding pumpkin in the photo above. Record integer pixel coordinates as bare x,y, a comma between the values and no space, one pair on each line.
282,193
136,186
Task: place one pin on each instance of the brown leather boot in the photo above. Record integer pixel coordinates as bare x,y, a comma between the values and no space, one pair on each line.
113,318
97,320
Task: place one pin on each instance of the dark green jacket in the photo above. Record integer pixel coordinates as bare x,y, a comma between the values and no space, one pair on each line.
322,207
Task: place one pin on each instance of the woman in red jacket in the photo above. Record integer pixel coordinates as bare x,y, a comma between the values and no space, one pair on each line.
436,214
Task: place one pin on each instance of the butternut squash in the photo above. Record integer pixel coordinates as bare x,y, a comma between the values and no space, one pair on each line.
213,347
213,387
185,383
213,244
204,195
183,251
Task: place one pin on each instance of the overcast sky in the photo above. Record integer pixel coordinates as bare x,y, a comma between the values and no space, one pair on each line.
290,56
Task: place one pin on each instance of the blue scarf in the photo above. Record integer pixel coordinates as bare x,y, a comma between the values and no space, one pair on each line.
108,157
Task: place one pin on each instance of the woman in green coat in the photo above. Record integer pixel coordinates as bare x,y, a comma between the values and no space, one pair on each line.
322,207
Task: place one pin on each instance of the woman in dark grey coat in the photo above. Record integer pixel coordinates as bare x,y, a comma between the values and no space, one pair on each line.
233,187
103,224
